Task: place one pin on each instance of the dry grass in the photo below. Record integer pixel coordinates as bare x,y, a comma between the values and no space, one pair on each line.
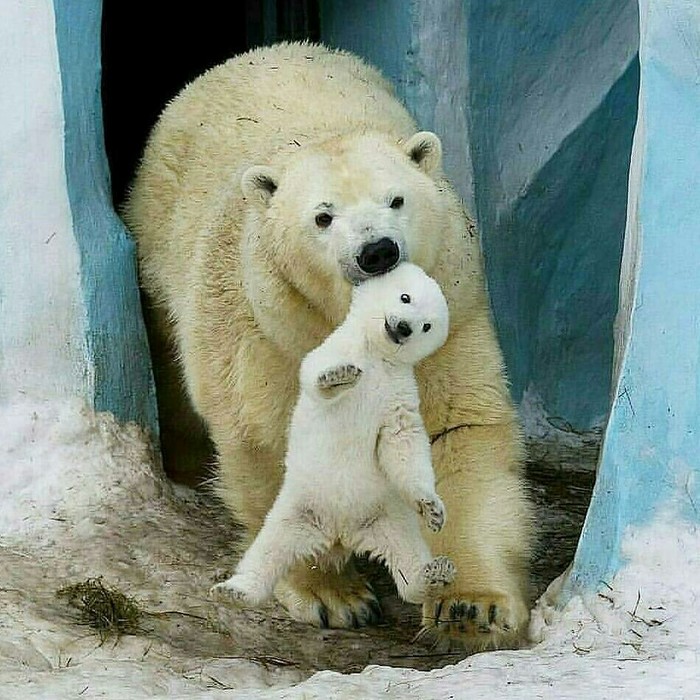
103,608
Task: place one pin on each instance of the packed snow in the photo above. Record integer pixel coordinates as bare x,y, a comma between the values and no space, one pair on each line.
81,497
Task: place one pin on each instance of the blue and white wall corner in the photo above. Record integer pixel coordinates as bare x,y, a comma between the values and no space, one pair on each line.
649,470
572,131
69,303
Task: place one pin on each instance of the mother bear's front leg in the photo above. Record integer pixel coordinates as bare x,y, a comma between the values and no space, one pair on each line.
487,535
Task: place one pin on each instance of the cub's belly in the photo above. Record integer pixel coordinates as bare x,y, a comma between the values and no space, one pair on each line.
332,462
344,500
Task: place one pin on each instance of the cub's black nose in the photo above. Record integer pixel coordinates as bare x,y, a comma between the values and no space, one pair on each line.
378,257
403,330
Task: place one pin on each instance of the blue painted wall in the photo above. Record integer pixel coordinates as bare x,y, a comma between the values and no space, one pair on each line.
116,340
380,32
553,259
649,468
553,108
537,122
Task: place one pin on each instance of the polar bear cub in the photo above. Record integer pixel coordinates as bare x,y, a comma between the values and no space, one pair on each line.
358,463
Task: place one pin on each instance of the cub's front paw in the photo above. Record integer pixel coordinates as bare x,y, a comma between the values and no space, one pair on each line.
438,572
338,378
432,510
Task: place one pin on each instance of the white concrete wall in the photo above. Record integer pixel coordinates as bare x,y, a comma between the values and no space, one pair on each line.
70,317
42,313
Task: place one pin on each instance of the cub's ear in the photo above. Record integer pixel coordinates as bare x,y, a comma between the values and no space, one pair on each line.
259,181
425,150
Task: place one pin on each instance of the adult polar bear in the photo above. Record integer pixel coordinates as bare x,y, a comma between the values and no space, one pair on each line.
268,186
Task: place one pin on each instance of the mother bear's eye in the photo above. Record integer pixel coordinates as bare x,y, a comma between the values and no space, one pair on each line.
405,299
426,327
396,203
323,220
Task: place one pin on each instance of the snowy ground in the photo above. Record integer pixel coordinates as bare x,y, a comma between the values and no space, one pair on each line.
80,498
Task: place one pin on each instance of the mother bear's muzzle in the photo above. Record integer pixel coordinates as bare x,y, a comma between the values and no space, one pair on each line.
378,257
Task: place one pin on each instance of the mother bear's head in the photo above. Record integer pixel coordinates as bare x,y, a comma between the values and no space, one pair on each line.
347,209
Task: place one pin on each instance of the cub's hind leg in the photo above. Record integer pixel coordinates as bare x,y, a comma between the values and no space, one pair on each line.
325,592
288,536
396,539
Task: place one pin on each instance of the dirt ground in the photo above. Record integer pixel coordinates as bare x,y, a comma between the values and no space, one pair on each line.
561,480
166,550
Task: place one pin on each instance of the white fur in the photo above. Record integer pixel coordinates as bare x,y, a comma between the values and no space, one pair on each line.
242,283
358,465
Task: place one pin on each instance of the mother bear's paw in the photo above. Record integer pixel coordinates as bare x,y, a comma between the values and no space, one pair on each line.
476,620
328,598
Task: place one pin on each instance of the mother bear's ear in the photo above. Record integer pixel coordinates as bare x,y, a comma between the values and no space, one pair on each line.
425,150
259,181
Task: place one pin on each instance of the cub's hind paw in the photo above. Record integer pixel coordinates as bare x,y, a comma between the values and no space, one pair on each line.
239,590
439,572
433,512
338,378
226,592
429,581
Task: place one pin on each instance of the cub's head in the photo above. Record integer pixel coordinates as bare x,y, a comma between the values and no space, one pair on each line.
403,312
348,210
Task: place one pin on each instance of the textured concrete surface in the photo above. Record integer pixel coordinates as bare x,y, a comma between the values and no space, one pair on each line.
649,467
536,105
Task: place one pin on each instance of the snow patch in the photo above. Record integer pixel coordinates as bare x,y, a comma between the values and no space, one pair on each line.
81,497
61,462
539,425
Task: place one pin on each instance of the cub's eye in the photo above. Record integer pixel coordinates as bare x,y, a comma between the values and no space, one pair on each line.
426,327
323,220
405,299
396,203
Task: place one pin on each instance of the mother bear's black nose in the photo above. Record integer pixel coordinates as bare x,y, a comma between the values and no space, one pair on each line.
379,256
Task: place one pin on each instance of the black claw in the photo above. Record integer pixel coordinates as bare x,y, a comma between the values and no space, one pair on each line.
354,622
323,616
458,611
376,612
493,611
472,613
438,611
366,617
369,614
